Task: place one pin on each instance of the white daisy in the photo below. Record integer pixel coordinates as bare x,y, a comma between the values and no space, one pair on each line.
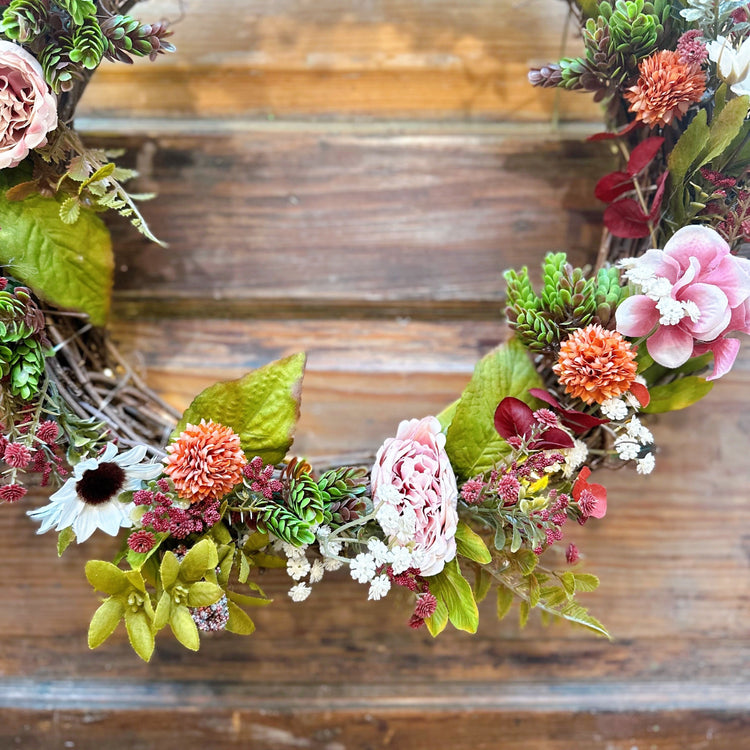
89,499
297,567
362,568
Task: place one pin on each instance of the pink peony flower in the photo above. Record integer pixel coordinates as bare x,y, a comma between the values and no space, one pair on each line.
416,465
695,292
28,110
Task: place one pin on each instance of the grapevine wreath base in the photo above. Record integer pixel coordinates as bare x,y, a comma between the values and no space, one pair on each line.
454,505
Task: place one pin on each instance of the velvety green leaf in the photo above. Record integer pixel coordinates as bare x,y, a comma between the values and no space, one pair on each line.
70,210
239,622
534,590
104,576
262,407
256,541
515,540
262,560
203,594
527,561
169,570
184,629
471,545
523,614
724,129
568,583
446,416
64,540
226,554
504,601
104,621
688,149
437,623
586,582
482,584
244,569
247,601
163,611
473,444
198,561
68,265
678,394
450,587
140,634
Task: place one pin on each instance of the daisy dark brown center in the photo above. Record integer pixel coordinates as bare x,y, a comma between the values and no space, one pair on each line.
99,485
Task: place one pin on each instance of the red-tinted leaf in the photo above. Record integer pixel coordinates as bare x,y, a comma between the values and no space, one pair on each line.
609,136
658,197
643,154
513,418
552,438
624,218
641,393
576,421
545,396
598,491
612,186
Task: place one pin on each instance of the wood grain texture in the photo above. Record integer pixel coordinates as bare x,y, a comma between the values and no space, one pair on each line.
264,223
337,58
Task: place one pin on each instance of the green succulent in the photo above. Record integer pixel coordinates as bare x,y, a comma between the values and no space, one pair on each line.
344,492
568,301
89,44
24,20
22,348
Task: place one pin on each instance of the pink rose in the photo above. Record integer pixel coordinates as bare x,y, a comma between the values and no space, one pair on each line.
28,110
416,465
695,292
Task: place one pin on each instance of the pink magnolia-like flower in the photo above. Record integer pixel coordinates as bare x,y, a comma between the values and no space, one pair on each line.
28,109
415,463
695,292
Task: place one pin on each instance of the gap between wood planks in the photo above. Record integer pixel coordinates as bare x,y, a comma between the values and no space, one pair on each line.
617,697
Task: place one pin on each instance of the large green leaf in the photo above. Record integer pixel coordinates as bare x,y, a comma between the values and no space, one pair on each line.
450,587
678,395
262,407
473,444
68,265
470,545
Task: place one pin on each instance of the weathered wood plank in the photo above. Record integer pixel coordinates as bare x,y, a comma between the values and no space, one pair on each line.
321,726
266,223
391,58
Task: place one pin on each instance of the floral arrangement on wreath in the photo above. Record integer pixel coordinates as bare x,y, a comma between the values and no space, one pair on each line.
455,505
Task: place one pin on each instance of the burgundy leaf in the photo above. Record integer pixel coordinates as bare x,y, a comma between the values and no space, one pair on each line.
554,437
609,136
513,418
643,154
624,218
576,421
612,186
545,396
658,197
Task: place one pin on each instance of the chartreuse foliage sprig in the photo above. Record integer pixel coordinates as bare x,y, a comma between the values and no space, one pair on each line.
182,585
568,301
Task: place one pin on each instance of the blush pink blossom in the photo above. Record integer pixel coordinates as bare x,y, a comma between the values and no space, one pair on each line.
416,465
28,109
695,293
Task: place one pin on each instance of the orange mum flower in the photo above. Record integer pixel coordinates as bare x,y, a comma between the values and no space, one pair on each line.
205,462
595,364
667,86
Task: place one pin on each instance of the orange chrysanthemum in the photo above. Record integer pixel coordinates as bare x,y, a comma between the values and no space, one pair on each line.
667,86
205,462
595,364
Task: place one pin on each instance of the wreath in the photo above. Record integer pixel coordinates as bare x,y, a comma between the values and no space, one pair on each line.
471,500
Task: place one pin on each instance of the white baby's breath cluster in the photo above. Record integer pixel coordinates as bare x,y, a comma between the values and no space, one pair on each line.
299,567
636,443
